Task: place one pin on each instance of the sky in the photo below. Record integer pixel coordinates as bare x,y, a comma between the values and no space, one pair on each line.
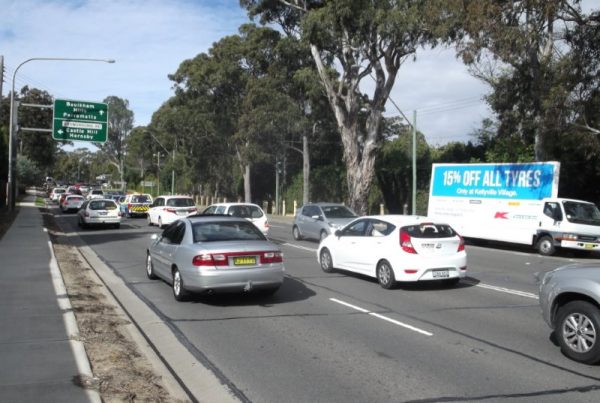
149,39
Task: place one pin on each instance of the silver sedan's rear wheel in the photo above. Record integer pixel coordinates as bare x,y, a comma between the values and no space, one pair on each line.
385,275
326,261
150,268
577,325
178,287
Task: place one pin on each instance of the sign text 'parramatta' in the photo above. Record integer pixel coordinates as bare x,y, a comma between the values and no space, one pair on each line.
487,181
80,121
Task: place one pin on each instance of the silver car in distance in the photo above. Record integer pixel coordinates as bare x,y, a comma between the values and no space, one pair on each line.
206,254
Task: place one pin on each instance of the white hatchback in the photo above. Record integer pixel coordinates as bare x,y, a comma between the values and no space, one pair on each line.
99,212
249,211
395,248
167,209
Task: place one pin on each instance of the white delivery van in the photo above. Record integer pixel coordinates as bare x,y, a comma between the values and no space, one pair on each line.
512,202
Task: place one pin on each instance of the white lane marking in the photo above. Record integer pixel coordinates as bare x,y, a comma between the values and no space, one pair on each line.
377,315
349,305
299,247
508,291
415,329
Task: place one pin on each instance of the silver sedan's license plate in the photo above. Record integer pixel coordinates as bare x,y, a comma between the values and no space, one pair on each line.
440,274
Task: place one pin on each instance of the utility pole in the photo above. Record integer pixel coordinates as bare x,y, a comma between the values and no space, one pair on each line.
414,163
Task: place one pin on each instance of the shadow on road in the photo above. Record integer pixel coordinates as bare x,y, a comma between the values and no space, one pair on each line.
290,291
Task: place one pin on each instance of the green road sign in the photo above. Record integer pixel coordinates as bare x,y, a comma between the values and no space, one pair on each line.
80,121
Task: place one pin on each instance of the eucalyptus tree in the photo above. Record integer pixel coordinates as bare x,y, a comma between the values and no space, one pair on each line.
120,123
520,48
365,40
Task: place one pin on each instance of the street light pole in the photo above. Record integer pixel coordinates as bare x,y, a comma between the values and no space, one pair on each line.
13,122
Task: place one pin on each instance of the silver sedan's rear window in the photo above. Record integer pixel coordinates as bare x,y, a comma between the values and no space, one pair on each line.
102,205
214,231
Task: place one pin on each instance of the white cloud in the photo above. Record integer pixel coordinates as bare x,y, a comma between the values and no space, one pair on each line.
148,38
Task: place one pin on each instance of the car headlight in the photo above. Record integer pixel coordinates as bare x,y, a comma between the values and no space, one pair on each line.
334,226
569,237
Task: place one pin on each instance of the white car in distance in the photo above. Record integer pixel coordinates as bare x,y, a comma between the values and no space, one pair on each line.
249,211
394,248
167,209
103,212
95,194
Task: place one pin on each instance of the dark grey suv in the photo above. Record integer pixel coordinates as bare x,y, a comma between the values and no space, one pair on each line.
318,220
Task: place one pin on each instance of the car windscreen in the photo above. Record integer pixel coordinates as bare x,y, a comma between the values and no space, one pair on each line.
245,211
140,199
582,213
60,190
102,205
181,202
338,212
216,231
75,198
430,230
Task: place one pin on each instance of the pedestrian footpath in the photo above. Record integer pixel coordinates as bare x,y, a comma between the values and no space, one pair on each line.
40,361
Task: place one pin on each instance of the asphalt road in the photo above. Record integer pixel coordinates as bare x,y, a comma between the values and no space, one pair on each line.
341,337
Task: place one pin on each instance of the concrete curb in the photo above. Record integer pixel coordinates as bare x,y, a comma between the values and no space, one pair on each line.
157,338
78,348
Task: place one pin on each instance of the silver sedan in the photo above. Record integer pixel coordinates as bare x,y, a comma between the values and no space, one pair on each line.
206,254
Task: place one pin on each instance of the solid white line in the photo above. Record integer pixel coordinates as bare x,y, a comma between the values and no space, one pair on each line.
508,291
377,315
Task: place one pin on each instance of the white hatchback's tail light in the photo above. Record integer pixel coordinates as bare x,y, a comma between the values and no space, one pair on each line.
461,243
406,243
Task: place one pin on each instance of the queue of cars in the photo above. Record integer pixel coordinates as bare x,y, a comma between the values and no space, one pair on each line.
224,248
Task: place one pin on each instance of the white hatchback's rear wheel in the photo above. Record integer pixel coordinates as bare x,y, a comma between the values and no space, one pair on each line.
326,261
385,275
148,219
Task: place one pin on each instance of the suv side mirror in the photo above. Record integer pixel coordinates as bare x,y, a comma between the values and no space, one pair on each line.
338,233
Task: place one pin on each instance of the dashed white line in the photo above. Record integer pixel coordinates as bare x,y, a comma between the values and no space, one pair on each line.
377,315
299,247
508,291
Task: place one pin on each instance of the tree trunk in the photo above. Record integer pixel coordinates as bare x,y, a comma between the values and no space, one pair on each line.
247,189
306,169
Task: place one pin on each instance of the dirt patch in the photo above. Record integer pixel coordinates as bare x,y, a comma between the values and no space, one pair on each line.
120,372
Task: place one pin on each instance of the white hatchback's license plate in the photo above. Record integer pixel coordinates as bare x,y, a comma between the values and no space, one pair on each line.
182,212
440,274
